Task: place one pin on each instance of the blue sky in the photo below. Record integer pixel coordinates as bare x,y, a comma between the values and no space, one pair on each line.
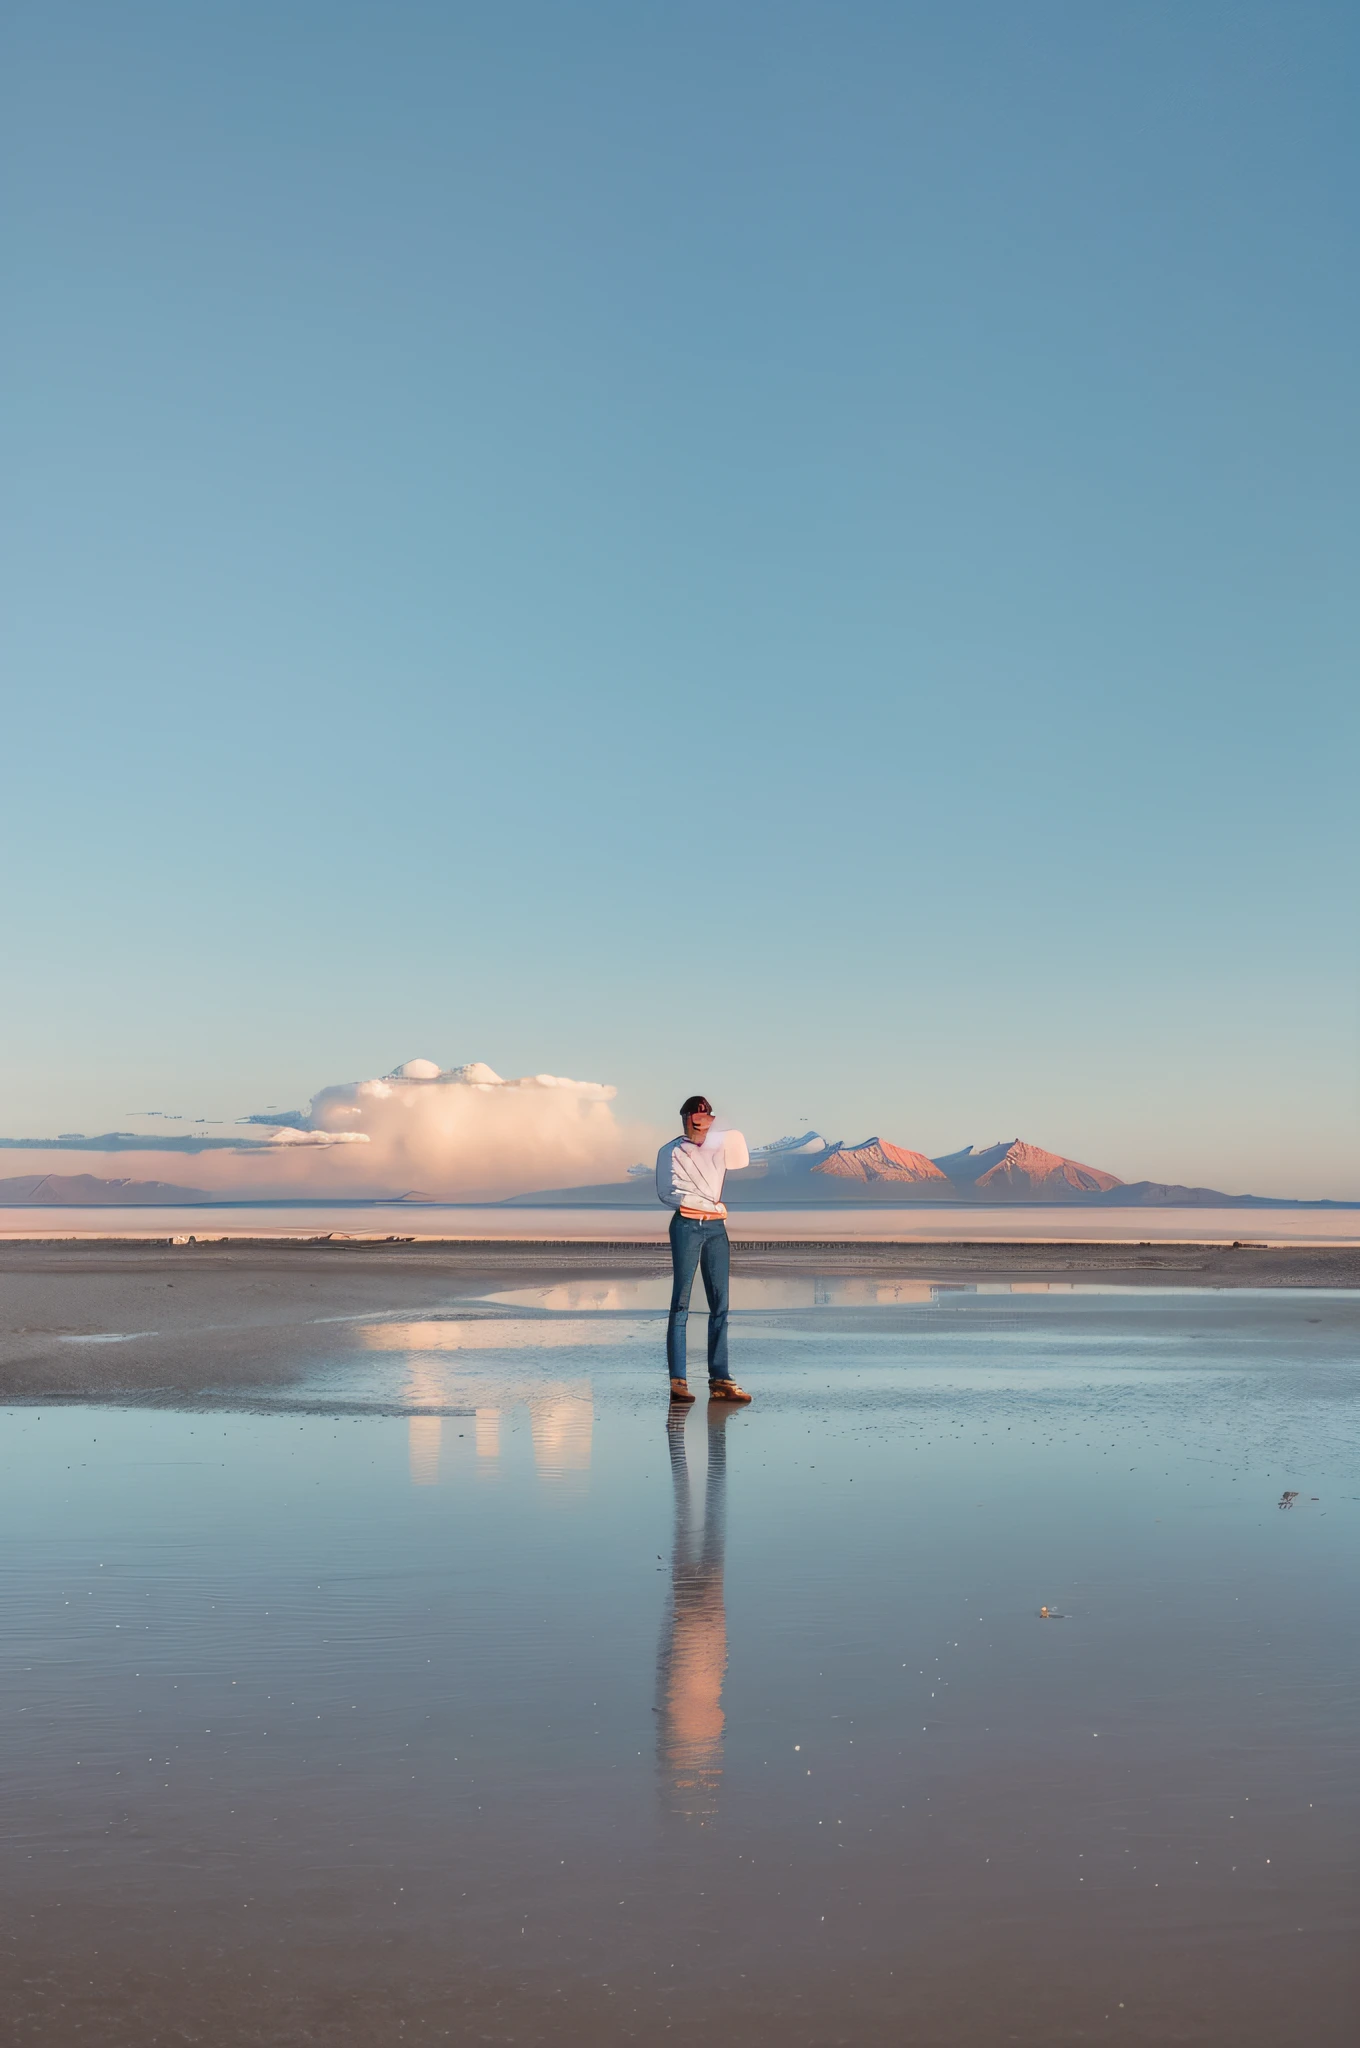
799,551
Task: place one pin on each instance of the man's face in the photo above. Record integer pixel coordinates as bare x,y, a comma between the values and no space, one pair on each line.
698,1126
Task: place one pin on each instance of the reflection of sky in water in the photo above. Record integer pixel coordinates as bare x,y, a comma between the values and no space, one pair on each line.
749,1291
754,1292
963,1343
561,1414
492,1333
506,1636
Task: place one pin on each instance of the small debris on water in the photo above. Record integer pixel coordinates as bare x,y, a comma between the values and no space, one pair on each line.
1050,1614
1287,1500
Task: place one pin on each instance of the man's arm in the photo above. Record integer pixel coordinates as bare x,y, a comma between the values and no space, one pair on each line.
666,1190
734,1151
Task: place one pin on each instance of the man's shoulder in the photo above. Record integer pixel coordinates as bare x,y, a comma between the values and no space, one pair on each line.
671,1145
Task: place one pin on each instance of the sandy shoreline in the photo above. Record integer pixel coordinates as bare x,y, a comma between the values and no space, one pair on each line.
1245,1262
451,1224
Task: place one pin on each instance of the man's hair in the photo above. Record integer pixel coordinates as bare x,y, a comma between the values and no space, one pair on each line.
694,1104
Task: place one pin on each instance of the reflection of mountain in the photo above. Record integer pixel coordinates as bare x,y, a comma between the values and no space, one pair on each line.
693,1657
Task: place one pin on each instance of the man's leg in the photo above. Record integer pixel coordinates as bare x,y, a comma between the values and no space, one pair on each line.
685,1244
715,1260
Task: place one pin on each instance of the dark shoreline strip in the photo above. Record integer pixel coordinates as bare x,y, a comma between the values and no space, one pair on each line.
1244,1264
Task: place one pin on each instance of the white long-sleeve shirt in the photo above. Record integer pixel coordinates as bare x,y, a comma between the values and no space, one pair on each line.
691,1176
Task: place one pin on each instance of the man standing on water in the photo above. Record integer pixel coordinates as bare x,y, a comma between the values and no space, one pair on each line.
689,1179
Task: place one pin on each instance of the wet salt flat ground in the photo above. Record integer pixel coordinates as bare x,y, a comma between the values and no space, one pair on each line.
453,1692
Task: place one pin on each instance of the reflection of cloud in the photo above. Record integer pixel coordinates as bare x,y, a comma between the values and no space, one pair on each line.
749,1291
693,1658
493,1333
426,1435
588,1297
882,1293
425,1432
562,1426
561,1412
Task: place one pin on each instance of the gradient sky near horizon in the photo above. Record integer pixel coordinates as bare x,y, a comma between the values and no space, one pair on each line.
800,551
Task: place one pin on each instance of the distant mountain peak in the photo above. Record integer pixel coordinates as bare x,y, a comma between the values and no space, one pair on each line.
876,1159
1026,1170
90,1191
799,1141
971,1161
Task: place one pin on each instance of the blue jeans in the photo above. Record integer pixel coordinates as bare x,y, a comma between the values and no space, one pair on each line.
702,1245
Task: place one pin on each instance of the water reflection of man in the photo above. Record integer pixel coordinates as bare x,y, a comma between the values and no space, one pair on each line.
690,1172
693,1658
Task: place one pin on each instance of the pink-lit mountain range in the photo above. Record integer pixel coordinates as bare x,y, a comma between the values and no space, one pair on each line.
792,1172
809,1171
1008,1172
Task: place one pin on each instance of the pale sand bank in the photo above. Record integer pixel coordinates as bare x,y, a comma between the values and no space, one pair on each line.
1010,1224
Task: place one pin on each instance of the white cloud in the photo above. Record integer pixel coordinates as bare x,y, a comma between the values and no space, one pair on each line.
461,1134
467,1132
291,1137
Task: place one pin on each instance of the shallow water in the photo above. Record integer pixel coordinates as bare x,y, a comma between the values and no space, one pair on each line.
450,1691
